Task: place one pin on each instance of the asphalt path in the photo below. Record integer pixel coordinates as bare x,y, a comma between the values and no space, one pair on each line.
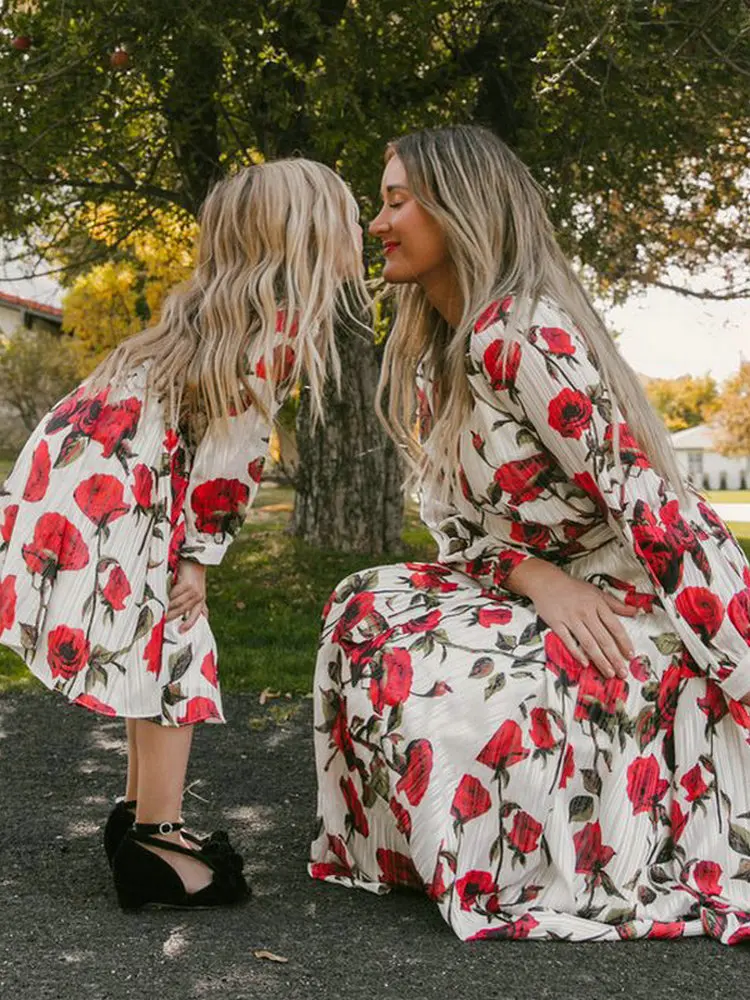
63,936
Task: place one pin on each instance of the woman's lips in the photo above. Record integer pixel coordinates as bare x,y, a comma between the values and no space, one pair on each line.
390,247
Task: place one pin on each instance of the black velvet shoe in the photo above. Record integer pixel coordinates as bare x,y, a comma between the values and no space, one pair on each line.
118,823
142,878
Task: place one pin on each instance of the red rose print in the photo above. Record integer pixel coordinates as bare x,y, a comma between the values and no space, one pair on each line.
473,885
541,730
427,576
62,413
666,699
142,486
425,623
666,931
660,554
437,888
494,311
630,452
178,483
646,787
536,536
9,522
586,482
67,651
355,813
714,522
679,531
693,783
219,506
403,819
57,545
560,660
505,748
591,854
323,870
597,695
505,562
101,499
152,652
176,541
738,611
94,705
116,424
397,869
199,710
739,713
7,602
415,780
394,685
558,341
470,800
713,704
568,768
281,321
706,875
640,668
525,834
514,930
524,479
357,609
493,615
117,589
38,479
255,469
678,820
209,669
171,440
502,363
283,363
569,413
702,610
341,735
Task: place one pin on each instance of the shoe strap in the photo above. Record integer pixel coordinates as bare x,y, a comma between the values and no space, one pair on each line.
143,833
150,829
128,804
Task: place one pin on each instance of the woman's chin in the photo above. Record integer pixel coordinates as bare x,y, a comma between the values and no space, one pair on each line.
396,275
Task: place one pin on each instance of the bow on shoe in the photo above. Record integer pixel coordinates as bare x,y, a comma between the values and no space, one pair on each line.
223,856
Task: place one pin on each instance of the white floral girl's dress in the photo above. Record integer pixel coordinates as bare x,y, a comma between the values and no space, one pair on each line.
102,502
462,750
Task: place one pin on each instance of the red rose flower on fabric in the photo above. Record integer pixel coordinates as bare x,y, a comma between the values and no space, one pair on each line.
394,686
283,363
693,783
472,885
713,704
560,660
524,479
495,310
706,875
357,609
679,531
116,424
702,610
415,780
425,623
152,652
355,812
591,854
666,930
505,748
505,562
568,768
569,413
586,482
327,869
9,522
117,589
94,705
525,834
178,483
430,576
558,341
714,522
199,709
646,786
397,869
57,545
630,452
7,602
660,555
38,478
666,699
101,498
502,363
219,506
678,820
536,536
514,930
255,469
209,669
67,651
597,695
61,415
176,541
402,817
541,730
494,614
738,611
739,713
470,800
142,486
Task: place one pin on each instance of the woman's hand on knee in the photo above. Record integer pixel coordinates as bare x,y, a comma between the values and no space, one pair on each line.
187,598
585,619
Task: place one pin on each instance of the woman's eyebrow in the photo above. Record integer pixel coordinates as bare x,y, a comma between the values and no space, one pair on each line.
396,187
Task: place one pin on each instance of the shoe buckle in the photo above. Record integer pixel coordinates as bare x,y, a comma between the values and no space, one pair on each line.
165,828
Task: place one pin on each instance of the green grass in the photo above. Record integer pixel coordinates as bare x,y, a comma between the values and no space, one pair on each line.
266,598
728,496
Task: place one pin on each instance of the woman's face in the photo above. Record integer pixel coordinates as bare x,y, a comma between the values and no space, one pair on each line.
414,245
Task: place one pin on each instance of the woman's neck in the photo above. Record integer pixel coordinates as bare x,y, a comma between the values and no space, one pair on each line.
443,293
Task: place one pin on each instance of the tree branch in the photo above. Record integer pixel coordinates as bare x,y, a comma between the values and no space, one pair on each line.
707,294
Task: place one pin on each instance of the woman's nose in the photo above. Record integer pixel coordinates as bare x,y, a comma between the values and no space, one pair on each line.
378,225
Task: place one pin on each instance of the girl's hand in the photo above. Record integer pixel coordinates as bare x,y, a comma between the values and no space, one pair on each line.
187,598
582,616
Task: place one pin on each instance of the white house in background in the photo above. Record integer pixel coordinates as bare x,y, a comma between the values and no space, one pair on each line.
704,466
16,311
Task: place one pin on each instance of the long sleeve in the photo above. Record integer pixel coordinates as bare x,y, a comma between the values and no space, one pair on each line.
700,574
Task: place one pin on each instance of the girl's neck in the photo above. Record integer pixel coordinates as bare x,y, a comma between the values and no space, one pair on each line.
443,293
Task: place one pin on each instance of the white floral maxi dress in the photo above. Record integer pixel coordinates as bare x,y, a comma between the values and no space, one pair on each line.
461,750
102,502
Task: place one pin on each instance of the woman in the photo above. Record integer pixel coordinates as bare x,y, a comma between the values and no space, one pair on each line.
141,478
546,728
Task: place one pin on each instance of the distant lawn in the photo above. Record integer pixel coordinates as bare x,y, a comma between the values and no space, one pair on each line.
728,496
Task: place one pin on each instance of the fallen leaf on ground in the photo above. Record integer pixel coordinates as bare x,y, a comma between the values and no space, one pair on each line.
269,956
267,694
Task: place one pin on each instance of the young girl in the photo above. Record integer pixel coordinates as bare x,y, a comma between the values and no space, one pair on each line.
141,478
546,728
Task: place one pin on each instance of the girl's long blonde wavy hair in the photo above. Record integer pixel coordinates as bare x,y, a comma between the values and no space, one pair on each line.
277,247
501,242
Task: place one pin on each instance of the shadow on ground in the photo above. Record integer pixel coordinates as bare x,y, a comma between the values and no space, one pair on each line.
62,935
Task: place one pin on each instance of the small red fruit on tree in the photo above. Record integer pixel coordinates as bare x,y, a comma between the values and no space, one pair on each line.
21,42
119,59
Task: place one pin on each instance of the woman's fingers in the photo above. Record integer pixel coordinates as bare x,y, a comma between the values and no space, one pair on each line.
619,607
609,649
614,627
183,603
192,618
569,641
591,644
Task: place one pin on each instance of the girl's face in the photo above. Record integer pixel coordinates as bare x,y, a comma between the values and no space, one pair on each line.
414,245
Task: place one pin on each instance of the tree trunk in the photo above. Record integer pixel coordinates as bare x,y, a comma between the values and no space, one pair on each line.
350,473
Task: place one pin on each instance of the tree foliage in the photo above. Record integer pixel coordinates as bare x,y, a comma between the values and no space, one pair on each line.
733,418
683,402
37,368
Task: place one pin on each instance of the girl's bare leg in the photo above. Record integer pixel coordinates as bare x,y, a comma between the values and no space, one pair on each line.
131,782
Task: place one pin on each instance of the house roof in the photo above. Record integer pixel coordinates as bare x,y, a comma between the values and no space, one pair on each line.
30,305
700,438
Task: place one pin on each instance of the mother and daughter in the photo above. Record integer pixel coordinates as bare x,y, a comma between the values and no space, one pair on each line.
545,729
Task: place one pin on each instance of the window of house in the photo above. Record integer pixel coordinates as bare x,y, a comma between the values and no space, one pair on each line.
695,465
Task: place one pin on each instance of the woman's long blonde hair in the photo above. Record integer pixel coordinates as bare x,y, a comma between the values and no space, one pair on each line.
277,242
502,243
